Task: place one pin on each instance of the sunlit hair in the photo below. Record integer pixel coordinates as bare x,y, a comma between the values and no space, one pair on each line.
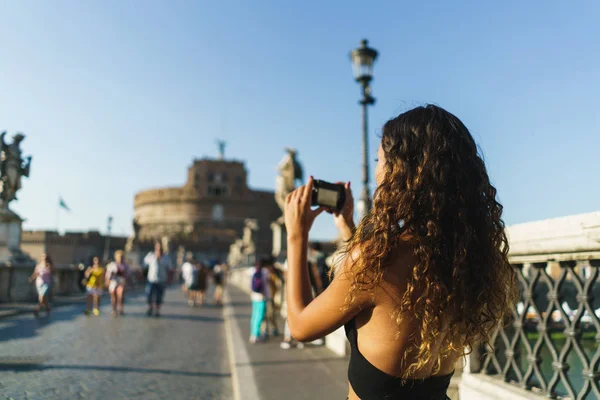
46,258
119,253
436,196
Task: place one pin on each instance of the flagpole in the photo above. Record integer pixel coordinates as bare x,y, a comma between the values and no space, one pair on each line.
58,217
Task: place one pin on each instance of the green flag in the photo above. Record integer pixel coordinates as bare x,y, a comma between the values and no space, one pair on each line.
62,204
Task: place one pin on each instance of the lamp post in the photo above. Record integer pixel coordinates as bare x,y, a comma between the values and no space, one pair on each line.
363,59
107,241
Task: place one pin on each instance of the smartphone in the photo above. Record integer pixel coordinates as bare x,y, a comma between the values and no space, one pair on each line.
331,195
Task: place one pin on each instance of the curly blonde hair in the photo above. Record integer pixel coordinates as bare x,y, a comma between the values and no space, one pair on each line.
437,197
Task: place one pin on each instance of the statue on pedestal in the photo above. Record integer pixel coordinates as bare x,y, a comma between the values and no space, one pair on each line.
133,240
249,236
12,167
243,251
290,171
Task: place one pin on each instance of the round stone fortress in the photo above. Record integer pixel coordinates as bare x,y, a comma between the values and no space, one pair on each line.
206,214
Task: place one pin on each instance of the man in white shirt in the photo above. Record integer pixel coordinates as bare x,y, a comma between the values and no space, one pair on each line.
159,269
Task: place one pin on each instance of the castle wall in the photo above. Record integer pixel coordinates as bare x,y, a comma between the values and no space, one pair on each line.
207,213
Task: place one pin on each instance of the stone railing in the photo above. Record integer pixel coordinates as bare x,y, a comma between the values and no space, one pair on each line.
552,345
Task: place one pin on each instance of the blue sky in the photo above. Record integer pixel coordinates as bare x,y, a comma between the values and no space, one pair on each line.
116,97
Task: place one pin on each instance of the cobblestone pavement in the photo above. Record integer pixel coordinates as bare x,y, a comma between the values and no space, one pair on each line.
181,355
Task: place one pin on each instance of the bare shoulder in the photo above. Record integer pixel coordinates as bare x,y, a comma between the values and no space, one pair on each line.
396,273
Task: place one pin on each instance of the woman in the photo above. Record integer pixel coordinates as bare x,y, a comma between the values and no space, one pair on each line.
201,283
94,277
188,274
259,296
42,274
218,279
117,274
425,276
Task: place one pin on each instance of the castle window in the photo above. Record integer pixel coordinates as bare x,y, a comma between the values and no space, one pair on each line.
217,190
211,177
217,212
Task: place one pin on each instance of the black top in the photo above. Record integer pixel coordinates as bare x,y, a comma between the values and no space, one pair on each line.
369,383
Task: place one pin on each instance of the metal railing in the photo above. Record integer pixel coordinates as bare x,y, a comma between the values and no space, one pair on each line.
552,344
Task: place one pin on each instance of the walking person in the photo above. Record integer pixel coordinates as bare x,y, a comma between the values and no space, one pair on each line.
288,341
189,275
159,267
260,294
94,277
272,309
425,276
317,259
43,275
219,281
117,275
201,283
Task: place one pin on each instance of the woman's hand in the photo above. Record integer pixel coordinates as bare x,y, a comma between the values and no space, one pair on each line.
344,219
299,217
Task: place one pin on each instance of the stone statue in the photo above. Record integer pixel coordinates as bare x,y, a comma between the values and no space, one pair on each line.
243,251
235,257
12,167
133,241
249,235
290,171
165,242
136,228
221,144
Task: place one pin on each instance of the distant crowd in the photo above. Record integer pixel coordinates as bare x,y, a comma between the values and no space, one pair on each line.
157,272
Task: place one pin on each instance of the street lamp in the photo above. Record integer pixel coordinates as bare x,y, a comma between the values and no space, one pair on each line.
363,59
109,222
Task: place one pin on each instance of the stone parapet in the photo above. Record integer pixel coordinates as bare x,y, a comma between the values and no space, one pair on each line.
15,287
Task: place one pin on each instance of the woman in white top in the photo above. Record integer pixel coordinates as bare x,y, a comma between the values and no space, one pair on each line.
117,273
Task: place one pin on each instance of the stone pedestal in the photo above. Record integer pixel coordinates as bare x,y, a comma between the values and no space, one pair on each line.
279,240
10,234
133,258
14,284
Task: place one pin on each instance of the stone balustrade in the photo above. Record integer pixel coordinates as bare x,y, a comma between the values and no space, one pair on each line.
551,346
14,285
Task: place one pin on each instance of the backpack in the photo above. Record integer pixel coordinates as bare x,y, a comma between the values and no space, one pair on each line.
257,281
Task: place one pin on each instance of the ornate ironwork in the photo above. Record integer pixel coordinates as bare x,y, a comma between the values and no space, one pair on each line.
552,344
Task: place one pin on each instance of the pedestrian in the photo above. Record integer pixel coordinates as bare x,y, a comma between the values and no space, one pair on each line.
117,276
319,279
318,260
201,283
219,281
43,275
189,275
94,278
160,269
288,341
425,276
272,309
259,296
